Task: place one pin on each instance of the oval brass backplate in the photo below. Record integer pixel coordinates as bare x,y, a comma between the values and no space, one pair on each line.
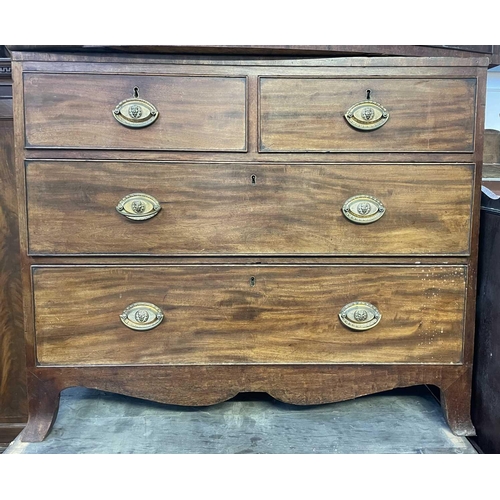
367,115
138,206
142,316
363,209
135,113
360,315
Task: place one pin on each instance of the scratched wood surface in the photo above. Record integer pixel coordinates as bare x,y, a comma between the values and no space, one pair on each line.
76,111
401,57
214,315
303,294
307,114
241,208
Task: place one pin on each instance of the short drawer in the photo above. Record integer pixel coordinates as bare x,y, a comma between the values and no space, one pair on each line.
191,113
248,314
423,115
235,209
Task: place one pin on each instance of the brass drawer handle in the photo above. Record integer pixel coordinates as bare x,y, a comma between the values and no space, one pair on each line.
142,316
135,112
367,114
363,209
360,315
138,206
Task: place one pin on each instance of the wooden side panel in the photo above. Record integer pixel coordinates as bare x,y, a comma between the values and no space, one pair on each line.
13,398
76,111
226,209
218,314
425,115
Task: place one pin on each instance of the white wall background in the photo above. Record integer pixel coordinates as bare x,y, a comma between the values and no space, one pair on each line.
493,99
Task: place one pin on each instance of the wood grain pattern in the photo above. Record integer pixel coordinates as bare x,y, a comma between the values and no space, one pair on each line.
195,113
207,385
463,54
210,209
313,381
213,315
13,398
362,67
307,114
44,399
470,310
250,156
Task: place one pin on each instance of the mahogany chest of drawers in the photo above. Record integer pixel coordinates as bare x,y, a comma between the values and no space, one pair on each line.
196,227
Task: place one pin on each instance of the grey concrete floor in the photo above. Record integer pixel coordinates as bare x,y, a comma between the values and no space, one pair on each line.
399,421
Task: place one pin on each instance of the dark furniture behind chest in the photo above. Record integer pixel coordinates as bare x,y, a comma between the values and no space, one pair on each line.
13,399
195,227
486,386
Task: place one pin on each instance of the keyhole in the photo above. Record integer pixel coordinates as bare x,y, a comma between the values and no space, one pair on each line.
368,92
254,179
252,281
136,91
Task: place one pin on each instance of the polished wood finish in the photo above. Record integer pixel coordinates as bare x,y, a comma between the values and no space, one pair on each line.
43,406
307,114
76,111
424,51
13,397
299,383
268,209
209,384
218,315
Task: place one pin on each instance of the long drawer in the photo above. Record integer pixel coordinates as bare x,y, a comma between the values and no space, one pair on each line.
188,113
252,209
204,314
423,114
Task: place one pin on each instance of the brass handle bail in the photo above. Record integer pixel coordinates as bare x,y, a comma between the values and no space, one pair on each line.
135,112
142,316
360,316
363,209
138,206
367,115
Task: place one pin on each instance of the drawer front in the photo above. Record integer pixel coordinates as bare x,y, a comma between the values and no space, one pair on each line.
247,314
424,115
193,113
235,209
